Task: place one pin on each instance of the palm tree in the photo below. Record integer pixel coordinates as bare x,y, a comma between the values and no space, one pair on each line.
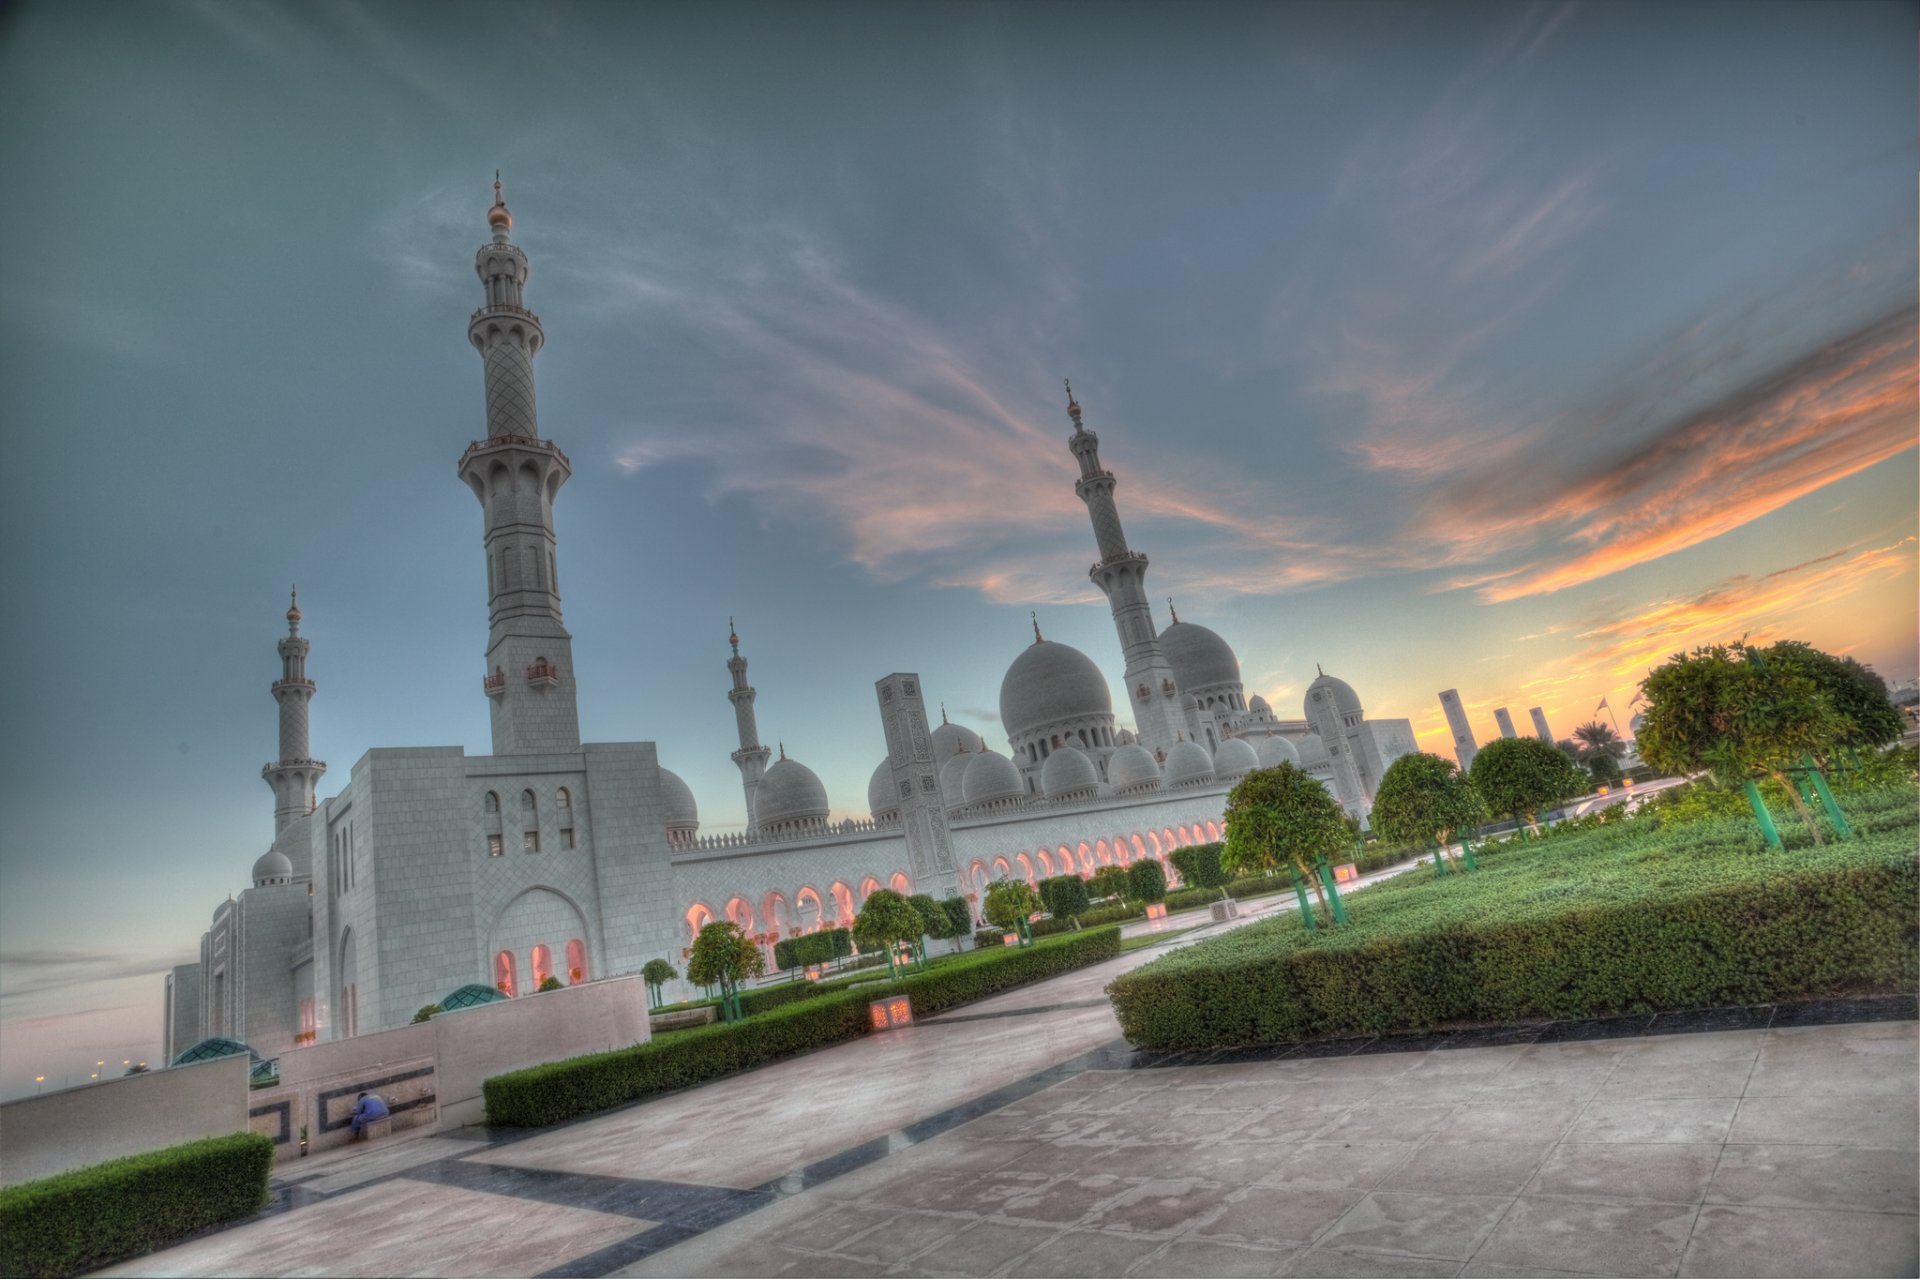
1597,738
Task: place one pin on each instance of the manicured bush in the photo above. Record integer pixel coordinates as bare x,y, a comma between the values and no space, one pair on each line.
959,915
820,947
1626,917
988,937
426,1012
562,1090
90,1217
1199,865
1064,895
1147,881
1108,881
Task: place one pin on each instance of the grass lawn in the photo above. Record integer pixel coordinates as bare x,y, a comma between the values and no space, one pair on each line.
1625,917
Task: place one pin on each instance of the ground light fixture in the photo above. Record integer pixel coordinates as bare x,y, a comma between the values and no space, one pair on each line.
891,1013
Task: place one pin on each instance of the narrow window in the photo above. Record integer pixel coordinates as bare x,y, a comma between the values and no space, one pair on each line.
562,799
493,802
503,973
566,837
576,962
496,846
542,966
530,841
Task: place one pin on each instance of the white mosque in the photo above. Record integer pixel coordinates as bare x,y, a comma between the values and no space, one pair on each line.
433,870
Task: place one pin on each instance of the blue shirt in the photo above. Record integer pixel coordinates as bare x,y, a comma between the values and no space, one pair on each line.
370,1108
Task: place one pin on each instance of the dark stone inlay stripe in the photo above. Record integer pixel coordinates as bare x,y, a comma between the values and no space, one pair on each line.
669,1202
282,1108
948,1019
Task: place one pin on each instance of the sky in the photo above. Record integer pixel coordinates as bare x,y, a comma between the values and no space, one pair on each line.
1506,348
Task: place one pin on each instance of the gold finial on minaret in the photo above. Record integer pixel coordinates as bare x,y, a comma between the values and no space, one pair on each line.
733,637
497,217
1073,405
293,612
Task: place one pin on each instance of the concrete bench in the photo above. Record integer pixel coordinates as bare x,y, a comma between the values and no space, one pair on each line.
378,1128
681,1018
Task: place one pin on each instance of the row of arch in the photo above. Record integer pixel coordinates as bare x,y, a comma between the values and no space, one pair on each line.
807,910
506,968
1084,858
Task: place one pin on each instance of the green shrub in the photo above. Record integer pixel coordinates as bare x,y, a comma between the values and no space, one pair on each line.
549,982
1199,865
820,947
426,1011
85,1219
561,1090
1626,917
1147,881
959,916
988,937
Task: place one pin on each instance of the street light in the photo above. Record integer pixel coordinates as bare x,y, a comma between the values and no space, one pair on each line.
37,1081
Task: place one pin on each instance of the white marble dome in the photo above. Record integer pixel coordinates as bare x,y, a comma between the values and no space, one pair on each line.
1188,764
272,868
953,775
677,796
1277,750
1259,703
1132,768
950,739
1313,751
1235,758
1068,772
1049,683
788,792
1345,701
991,777
1198,656
882,802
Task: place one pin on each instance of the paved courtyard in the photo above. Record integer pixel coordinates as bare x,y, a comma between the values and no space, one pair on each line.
1020,1136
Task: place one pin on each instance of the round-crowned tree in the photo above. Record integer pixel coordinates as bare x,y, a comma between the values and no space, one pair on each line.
1108,881
1717,710
1519,777
1424,797
725,956
887,919
1856,694
1147,881
1280,817
1008,902
657,973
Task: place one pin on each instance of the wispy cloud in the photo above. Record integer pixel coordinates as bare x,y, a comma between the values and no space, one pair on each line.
33,973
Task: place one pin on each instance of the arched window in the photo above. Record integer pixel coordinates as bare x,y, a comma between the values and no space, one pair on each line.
1086,858
901,884
868,887
1083,738
493,802
699,915
1139,849
503,974
1213,833
530,820
1046,862
576,962
542,965
562,799
1102,853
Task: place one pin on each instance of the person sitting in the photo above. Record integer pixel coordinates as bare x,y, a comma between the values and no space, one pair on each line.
367,1109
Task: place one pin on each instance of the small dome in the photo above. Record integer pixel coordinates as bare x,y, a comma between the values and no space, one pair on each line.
1235,758
1049,683
1277,750
1313,751
208,1049
682,812
1188,764
991,777
950,739
1125,737
1345,700
788,792
881,801
469,997
1198,656
1068,772
1259,703
953,775
272,868
1132,768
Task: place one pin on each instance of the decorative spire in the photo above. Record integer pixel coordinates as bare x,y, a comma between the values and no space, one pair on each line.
783,750
1073,406
1037,637
1172,611
1317,667
943,712
497,217
293,613
733,637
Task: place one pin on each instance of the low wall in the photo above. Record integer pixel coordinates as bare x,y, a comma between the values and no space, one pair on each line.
491,1039
40,1136
320,1085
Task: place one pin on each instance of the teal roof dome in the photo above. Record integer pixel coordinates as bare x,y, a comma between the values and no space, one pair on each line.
470,996
208,1049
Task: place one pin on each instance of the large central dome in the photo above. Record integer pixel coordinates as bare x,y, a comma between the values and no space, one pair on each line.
789,792
1050,683
1199,657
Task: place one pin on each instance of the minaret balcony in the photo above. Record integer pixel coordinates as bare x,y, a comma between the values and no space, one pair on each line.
495,684
304,685
1113,561
516,441
505,308
283,765
543,673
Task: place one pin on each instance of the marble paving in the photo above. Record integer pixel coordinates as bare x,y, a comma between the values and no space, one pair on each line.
1021,1136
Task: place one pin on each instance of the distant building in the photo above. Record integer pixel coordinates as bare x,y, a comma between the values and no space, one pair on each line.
1505,721
1464,747
1540,728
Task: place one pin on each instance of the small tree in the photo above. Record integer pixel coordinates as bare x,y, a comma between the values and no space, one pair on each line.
1200,866
1519,777
547,983
425,1012
724,955
1065,896
1716,710
1604,768
1280,817
1425,798
1856,694
1147,881
934,920
1008,903
886,920
1109,881
959,915
656,973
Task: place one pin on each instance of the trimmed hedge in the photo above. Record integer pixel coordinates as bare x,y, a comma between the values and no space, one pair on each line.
91,1217
822,946
1623,918
1064,895
563,1090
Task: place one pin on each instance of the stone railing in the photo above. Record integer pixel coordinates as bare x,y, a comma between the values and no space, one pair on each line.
505,308
517,441
275,766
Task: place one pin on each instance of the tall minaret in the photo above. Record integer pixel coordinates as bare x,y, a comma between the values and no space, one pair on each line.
1122,574
515,474
752,756
294,776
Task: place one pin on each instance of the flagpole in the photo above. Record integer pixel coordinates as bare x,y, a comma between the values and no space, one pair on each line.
1615,718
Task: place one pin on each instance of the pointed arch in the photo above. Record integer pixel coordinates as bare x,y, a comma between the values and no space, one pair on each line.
899,883
699,915
1046,862
1026,866
1102,854
868,887
777,914
1086,858
740,911
1213,832
809,909
1003,869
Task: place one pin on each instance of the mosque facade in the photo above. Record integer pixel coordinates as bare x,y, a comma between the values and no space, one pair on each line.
431,869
